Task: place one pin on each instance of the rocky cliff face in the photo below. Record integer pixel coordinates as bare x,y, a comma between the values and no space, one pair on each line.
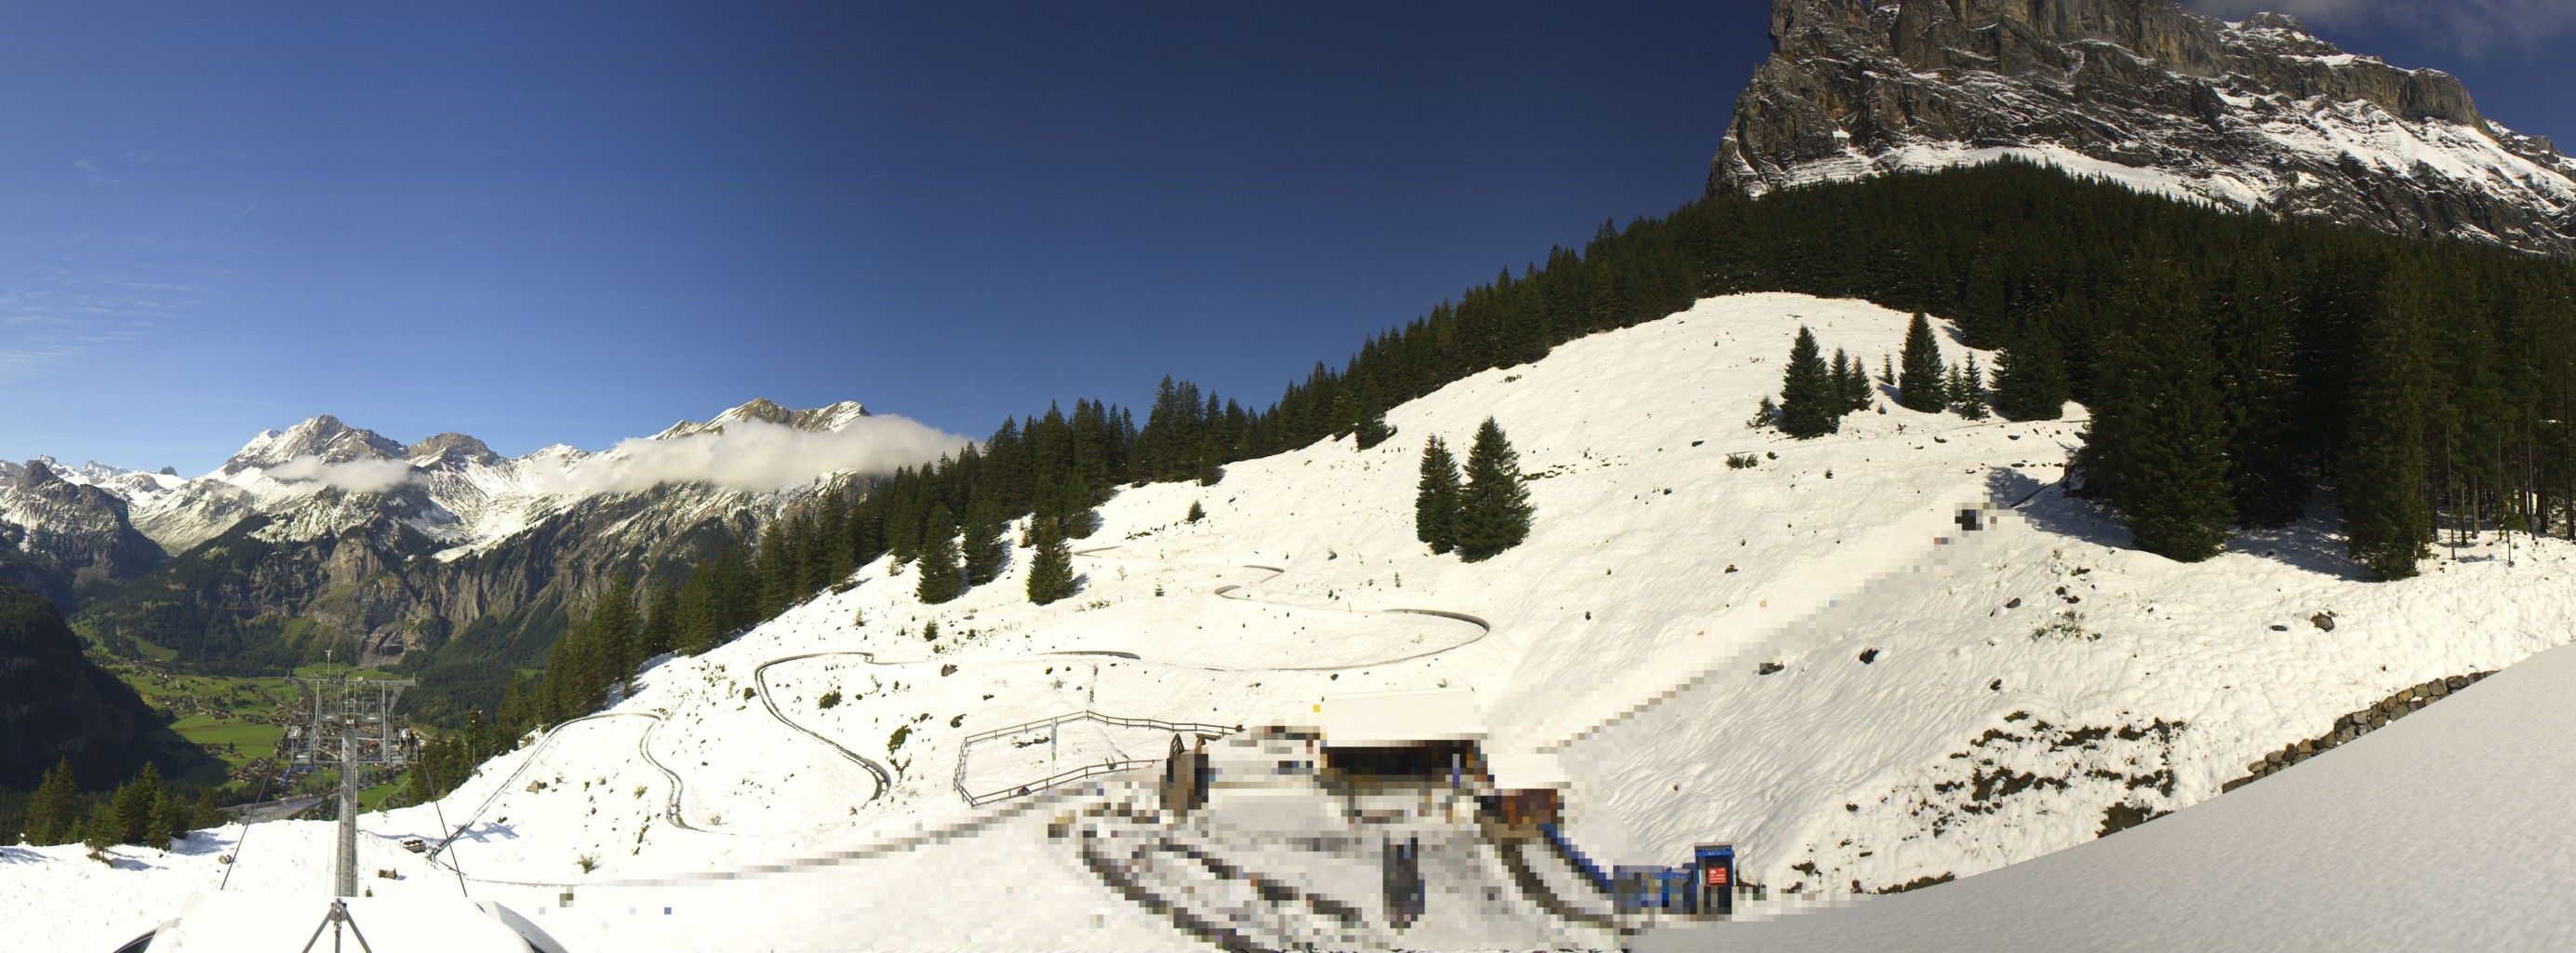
2257,114
57,535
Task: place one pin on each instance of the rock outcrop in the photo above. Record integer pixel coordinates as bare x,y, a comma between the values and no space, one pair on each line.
2256,114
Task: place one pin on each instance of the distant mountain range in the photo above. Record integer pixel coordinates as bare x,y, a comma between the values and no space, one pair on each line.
327,532
2257,114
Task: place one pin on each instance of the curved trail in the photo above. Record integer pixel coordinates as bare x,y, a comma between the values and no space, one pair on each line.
1483,628
760,683
643,746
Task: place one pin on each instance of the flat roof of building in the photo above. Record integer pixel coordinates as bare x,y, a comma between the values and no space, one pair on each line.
1378,719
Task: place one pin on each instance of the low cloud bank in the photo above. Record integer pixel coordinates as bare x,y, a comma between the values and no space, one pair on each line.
354,476
757,456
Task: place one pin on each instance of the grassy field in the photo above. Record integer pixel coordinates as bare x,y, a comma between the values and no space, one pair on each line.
234,740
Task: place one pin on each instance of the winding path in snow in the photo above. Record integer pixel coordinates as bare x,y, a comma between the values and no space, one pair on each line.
760,682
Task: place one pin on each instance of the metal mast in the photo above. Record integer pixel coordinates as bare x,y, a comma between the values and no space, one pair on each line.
352,725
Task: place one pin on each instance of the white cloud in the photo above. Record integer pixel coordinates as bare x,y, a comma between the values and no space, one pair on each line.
2473,26
757,456
355,476
90,170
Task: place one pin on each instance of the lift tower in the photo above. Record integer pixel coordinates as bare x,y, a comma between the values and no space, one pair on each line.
351,724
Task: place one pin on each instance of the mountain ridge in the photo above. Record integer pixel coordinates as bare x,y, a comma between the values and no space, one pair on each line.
2253,114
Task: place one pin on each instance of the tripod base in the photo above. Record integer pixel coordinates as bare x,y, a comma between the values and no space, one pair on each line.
336,921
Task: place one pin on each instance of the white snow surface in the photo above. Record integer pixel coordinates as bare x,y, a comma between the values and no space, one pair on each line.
1629,640
2445,831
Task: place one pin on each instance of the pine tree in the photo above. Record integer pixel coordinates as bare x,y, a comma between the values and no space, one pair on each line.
205,816
169,819
135,802
1810,400
54,810
1051,568
2387,519
1920,386
1437,498
984,545
101,830
942,579
1079,519
613,629
1495,512
2030,378
661,632
1967,392
1197,512
1856,386
1372,431
2160,438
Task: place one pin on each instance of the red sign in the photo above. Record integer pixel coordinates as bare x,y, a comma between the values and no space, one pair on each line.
1717,876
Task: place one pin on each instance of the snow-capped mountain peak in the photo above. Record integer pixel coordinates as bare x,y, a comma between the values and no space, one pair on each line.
829,417
323,438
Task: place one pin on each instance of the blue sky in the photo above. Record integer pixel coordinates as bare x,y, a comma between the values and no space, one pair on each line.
566,222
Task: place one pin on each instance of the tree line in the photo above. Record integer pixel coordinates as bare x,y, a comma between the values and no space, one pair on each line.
2234,364
144,812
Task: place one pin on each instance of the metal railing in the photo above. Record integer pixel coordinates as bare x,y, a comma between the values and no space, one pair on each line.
1074,774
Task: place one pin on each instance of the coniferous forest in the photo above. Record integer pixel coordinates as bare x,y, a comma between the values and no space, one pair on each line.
2239,369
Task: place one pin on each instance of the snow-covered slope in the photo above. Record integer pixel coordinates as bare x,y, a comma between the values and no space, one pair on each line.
1887,655
2447,831
2256,114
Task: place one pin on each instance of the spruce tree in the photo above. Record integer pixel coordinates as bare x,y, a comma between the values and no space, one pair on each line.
1919,386
942,579
1196,513
135,802
205,816
54,810
2161,434
101,830
1495,512
1967,392
169,819
1051,567
1810,401
1856,387
1437,497
1372,430
2387,520
2030,378
984,545
661,632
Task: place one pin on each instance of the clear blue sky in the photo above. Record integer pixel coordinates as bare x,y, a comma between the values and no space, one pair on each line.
557,222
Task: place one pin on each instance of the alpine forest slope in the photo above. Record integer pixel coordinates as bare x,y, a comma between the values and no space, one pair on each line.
55,705
1896,653
2256,114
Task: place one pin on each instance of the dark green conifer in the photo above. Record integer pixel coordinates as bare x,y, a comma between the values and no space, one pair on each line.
2030,377
942,578
984,545
1919,387
1437,497
1811,402
1051,567
1494,512
54,810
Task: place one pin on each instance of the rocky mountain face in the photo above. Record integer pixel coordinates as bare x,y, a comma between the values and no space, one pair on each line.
60,532
329,532
2257,114
54,704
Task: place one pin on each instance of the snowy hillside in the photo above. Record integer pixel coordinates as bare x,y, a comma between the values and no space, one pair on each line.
1893,654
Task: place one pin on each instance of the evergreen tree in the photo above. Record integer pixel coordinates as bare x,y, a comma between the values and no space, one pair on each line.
1494,513
1372,430
1919,387
1197,512
942,579
1811,401
2388,521
1437,498
101,830
2160,435
135,802
169,819
661,632
54,810
1856,387
1967,391
1079,520
984,545
205,816
613,632
1051,568
2030,378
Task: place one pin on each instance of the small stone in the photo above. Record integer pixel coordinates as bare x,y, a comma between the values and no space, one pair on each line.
2015,604
2323,621
1868,655
2457,682
2280,628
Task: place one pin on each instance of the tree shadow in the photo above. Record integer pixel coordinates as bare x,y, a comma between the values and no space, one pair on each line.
2048,508
20,855
2310,543
201,843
